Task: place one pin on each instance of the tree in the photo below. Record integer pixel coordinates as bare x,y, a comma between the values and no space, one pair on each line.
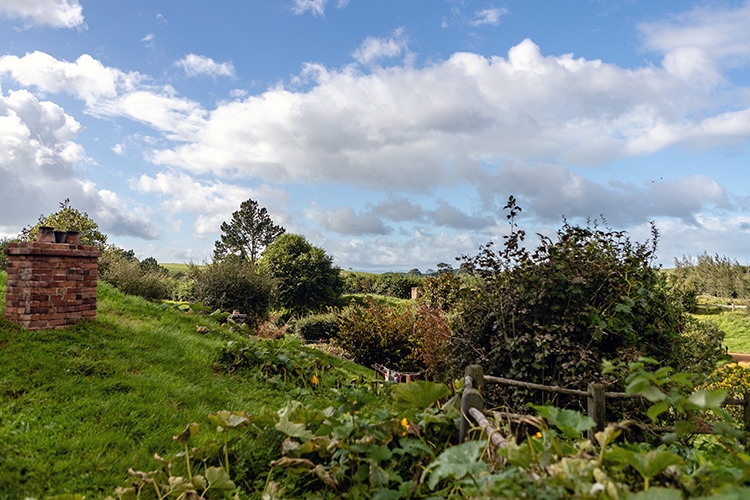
250,231
305,279
69,219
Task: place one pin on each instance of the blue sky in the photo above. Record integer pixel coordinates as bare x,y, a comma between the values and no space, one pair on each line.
389,132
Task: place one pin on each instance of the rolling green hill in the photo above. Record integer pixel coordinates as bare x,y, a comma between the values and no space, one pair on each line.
78,407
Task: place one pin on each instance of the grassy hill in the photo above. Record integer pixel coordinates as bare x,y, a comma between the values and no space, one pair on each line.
78,407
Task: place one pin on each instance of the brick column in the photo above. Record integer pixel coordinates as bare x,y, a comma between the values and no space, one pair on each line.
50,285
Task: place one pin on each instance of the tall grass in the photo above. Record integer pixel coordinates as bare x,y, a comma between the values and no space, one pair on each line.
78,407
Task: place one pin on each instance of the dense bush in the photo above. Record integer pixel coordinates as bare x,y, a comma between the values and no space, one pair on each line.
317,327
552,315
408,338
304,277
3,258
233,283
389,284
441,292
130,276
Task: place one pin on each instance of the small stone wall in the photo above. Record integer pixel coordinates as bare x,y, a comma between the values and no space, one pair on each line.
50,285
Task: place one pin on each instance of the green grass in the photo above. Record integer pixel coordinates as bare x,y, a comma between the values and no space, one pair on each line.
174,268
78,407
736,326
358,299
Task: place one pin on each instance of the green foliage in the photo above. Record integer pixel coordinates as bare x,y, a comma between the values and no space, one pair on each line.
317,327
379,333
304,277
3,244
145,279
250,231
733,325
233,283
387,284
552,315
69,219
441,291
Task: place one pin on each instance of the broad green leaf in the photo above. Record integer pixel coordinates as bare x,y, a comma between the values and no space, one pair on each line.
653,394
200,482
125,493
387,495
378,475
218,479
648,464
637,384
572,423
291,429
708,399
379,453
413,447
418,395
229,419
657,494
657,409
190,432
456,463
179,484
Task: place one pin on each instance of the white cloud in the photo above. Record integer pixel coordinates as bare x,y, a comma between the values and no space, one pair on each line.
719,34
212,202
119,149
317,7
488,16
38,165
419,127
55,13
86,78
375,49
148,37
195,65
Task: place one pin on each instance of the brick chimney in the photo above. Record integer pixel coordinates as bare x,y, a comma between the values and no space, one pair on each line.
51,285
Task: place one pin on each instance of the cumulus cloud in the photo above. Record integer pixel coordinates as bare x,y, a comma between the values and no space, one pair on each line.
213,202
38,161
317,7
488,16
86,78
195,65
550,191
375,49
345,221
55,13
716,33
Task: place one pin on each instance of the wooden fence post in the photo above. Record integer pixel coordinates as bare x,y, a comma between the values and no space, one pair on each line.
469,399
597,408
746,412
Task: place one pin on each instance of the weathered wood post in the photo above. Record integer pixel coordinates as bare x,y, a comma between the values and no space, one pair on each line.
471,397
746,412
597,408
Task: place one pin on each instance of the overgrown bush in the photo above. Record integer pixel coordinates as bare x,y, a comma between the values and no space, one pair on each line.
441,292
551,315
4,258
317,327
394,336
128,275
233,283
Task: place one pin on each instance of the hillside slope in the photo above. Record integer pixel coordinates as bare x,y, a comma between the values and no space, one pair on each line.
78,407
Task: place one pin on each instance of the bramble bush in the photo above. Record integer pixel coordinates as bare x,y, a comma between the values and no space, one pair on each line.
441,291
551,315
317,326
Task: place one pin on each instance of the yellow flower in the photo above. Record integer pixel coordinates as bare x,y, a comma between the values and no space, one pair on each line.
538,435
314,380
405,423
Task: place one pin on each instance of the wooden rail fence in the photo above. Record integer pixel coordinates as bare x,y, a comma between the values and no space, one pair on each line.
472,402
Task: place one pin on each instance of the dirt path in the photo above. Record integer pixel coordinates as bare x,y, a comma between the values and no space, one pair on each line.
743,358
